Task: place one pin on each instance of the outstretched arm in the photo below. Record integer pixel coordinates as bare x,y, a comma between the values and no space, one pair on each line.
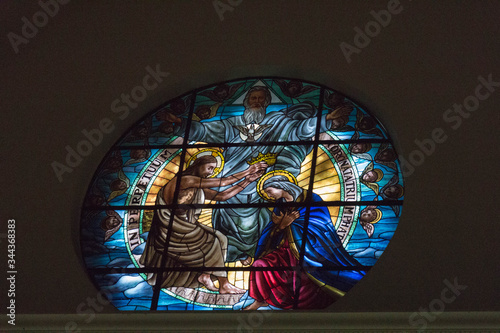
233,190
215,130
302,121
224,195
197,182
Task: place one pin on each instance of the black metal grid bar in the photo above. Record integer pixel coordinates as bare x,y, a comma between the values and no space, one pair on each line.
228,269
160,277
257,204
251,144
308,200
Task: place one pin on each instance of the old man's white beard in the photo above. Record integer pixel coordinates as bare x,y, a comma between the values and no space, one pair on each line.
254,115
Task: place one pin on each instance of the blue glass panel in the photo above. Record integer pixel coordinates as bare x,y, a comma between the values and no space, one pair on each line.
126,291
106,240
373,232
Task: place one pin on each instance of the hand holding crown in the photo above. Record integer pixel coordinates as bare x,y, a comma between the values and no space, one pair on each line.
256,170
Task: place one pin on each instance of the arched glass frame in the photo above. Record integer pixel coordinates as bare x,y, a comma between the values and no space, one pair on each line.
267,193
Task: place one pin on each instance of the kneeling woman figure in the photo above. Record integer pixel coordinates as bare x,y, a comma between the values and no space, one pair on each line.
280,244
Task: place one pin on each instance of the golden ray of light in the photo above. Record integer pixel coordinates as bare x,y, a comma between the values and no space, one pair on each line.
306,165
206,217
334,213
155,188
328,188
304,183
239,279
304,175
325,166
164,177
328,196
151,198
173,167
322,183
327,174
322,157
175,161
167,173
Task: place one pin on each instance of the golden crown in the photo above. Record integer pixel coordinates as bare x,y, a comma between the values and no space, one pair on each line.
269,158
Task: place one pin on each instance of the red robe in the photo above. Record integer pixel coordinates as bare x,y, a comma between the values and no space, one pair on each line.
277,288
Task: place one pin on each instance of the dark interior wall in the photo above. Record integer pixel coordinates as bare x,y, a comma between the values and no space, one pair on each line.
428,58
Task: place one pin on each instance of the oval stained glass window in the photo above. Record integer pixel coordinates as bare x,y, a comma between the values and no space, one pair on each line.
259,193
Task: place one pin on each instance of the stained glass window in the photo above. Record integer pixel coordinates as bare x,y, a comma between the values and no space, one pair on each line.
259,193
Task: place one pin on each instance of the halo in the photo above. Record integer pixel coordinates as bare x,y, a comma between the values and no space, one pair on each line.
270,174
379,216
209,151
380,174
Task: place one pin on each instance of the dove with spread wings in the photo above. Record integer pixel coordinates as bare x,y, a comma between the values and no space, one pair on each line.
251,132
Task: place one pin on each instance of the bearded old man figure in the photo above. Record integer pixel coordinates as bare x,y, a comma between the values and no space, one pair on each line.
243,226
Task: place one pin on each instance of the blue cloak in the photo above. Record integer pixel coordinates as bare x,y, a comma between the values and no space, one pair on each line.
323,248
